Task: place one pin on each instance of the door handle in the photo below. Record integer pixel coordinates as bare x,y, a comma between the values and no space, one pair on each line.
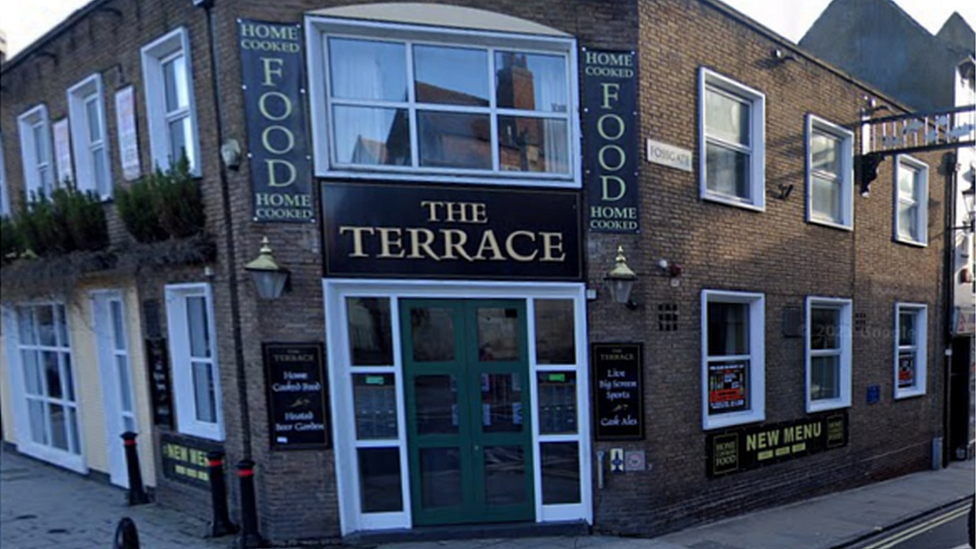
477,448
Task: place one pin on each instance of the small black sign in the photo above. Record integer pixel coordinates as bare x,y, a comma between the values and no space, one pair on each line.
272,68
296,396
387,230
159,387
735,450
610,138
185,459
618,385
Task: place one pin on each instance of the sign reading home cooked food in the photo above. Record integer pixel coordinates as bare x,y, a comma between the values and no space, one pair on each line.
610,138
296,395
618,390
747,448
272,69
388,230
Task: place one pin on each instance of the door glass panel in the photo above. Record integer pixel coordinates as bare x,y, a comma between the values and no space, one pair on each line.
370,335
505,475
118,331
437,404
433,334
68,381
125,389
52,373
557,402
440,477
379,480
26,323
501,403
196,312
60,323
32,373
59,433
375,402
554,331
203,392
498,334
45,326
560,473
74,439
35,410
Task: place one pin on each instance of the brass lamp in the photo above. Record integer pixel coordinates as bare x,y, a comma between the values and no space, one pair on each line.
269,279
621,280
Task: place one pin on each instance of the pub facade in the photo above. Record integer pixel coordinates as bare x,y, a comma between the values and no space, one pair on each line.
556,265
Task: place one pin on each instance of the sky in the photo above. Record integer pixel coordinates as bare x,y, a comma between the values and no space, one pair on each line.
26,20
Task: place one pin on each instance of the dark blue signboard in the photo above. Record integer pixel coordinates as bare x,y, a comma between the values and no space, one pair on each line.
459,231
611,157
272,68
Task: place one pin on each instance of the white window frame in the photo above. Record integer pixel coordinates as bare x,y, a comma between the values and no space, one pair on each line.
154,56
75,461
84,149
922,200
845,309
757,150
319,29
920,348
34,181
756,356
5,208
846,137
184,389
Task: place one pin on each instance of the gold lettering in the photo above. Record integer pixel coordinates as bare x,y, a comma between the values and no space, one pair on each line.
272,173
621,157
265,140
431,209
510,246
456,208
479,213
263,107
357,239
450,246
602,131
606,180
390,238
489,242
608,95
270,71
751,443
552,242
416,244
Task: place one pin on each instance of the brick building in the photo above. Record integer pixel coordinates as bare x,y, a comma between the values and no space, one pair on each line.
447,185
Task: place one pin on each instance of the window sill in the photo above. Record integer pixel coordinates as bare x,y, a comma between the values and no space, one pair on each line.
914,243
732,201
909,393
849,227
825,405
731,420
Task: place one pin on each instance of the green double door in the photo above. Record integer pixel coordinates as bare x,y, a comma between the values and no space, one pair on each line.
465,366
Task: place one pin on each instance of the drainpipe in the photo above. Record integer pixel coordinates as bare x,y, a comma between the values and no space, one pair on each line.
232,280
948,294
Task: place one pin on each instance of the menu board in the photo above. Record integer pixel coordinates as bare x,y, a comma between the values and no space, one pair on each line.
159,386
185,459
727,387
618,390
296,395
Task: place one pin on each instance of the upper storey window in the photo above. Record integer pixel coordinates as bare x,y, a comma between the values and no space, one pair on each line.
170,103
35,146
395,101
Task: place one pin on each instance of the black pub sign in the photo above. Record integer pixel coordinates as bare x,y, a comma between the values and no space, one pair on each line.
610,140
185,460
388,230
272,68
735,450
296,395
618,385
159,383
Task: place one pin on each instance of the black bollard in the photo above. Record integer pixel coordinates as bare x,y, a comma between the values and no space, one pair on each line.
126,535
221,525
250,537
137,494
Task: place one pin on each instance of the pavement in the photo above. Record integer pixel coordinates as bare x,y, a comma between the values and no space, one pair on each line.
43,507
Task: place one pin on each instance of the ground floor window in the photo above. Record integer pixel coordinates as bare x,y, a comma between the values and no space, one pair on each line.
910,349
458,403
828,353
48,412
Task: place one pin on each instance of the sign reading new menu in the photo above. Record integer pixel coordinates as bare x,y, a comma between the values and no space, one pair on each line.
747,448
618,386
388,230
272,68
611,157
296,395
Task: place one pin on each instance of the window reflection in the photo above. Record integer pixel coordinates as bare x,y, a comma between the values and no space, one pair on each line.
370,337
451,76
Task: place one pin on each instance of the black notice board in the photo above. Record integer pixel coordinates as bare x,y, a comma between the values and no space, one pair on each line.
618,390
296,396
159,385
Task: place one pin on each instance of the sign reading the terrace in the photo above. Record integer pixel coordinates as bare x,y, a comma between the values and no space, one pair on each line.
752,447
385,230
272,68
619,390
296,395
610,138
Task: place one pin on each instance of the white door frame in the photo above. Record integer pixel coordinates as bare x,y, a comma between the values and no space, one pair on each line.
111,388
341,401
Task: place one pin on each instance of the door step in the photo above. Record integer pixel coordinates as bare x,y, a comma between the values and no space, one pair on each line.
471,531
